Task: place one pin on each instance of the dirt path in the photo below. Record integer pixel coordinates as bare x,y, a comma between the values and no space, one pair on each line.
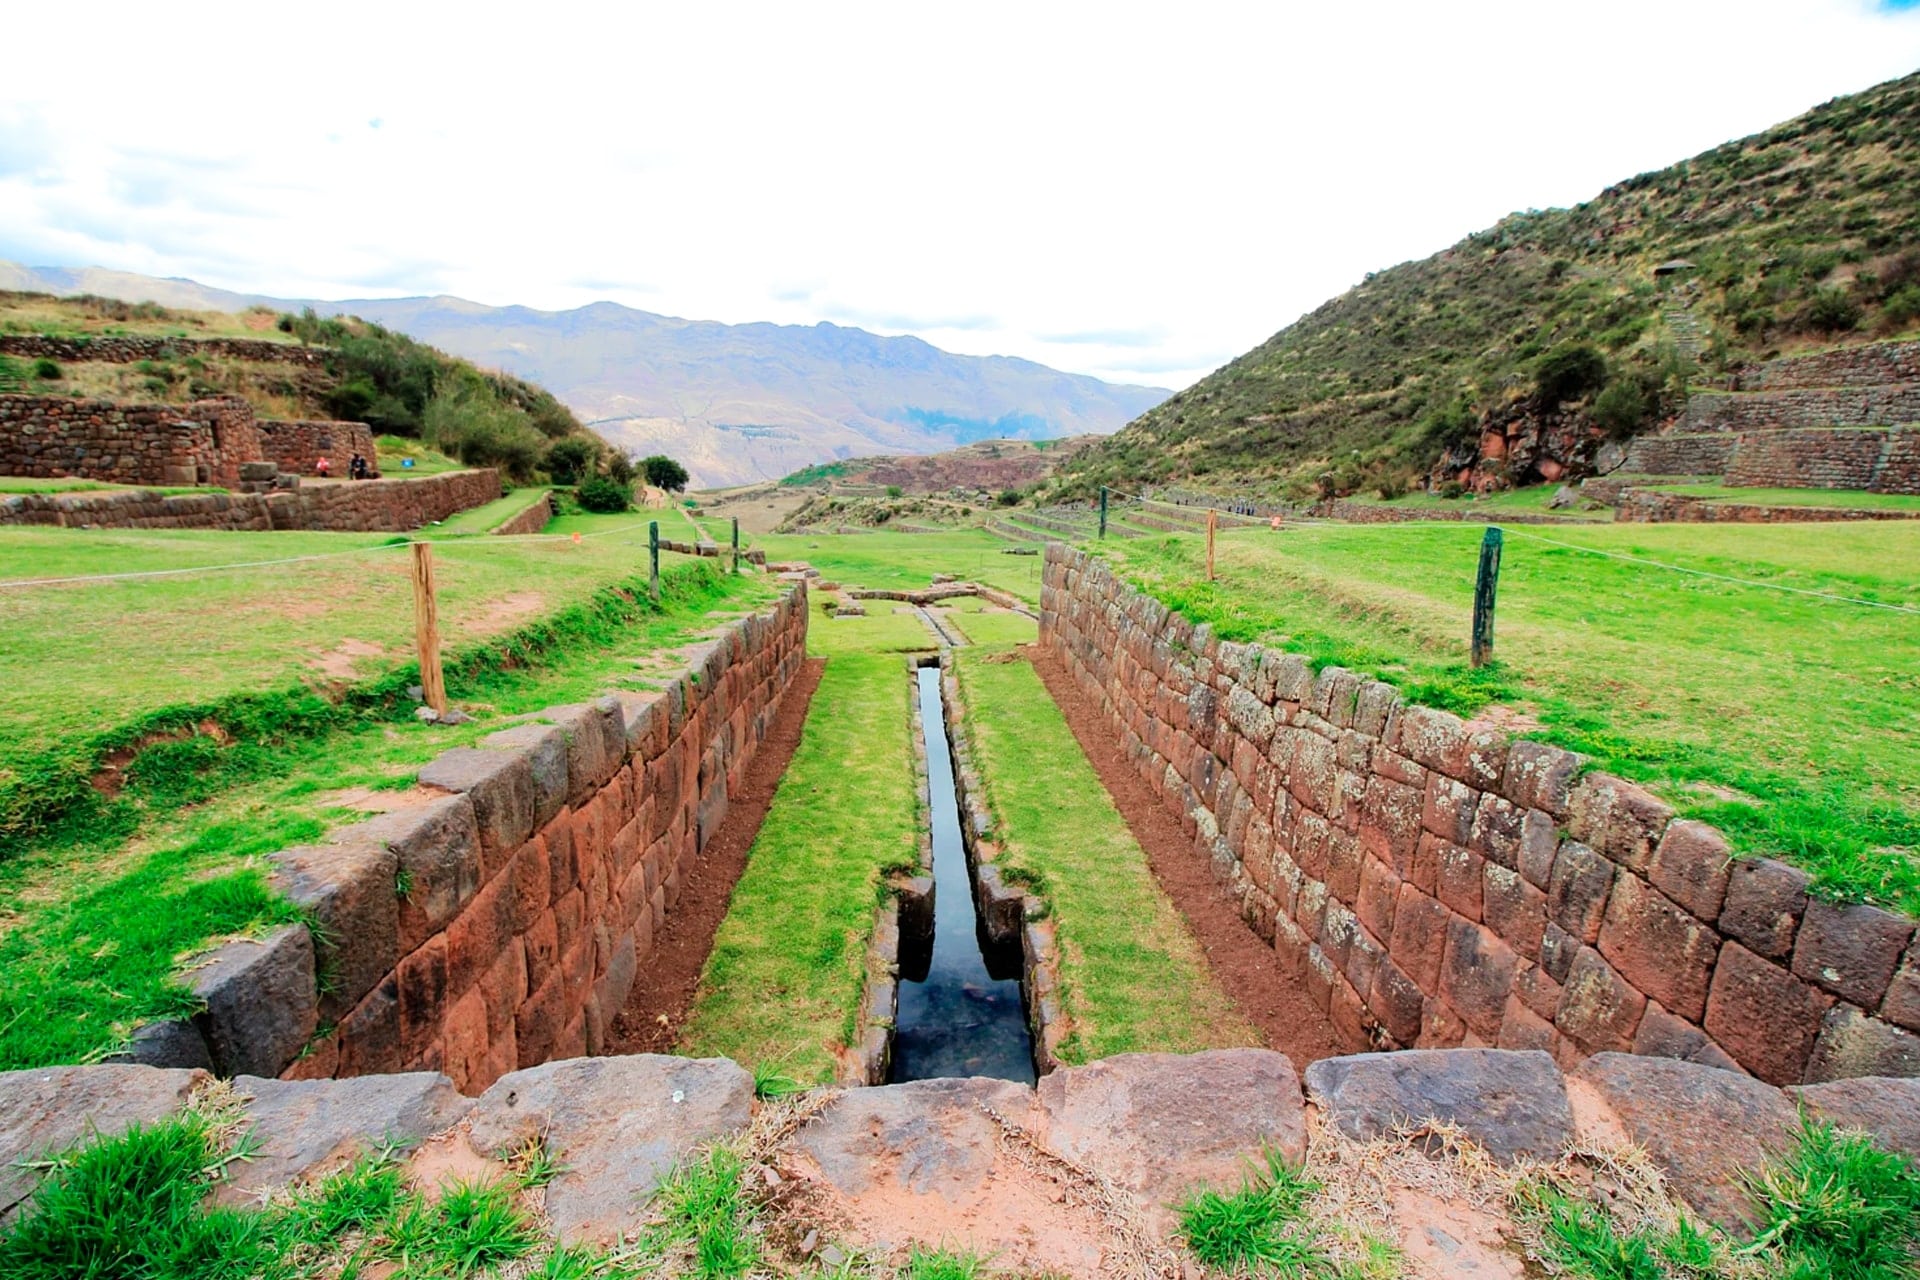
1267,991
663,991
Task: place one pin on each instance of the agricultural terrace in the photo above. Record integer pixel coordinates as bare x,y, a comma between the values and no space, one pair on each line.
1727,680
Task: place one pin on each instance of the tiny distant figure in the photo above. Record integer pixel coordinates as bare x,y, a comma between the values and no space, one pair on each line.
322,467
1275,525
357,468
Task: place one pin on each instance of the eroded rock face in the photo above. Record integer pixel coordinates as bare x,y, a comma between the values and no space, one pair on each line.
1163,1125
617,1124
49,1109
308,1128
1512,1102
1705,1127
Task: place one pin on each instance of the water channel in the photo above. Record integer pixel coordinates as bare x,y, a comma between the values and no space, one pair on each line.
962,1016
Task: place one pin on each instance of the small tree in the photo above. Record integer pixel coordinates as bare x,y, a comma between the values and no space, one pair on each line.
603,494
570,460
663,472
1570,371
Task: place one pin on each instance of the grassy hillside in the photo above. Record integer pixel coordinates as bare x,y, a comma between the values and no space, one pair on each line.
371,374
1806,234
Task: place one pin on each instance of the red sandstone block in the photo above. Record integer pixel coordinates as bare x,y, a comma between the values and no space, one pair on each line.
1459,884
465,1039
1477,976
477,936
320,1060
1317,976
1440,741
1448,808
562,868
1390,821
1851,949
1764,1016
1902,1004
1618,820
421,987
1536,989
1337,929
1419,940
1343,866
1397,1002
1658,948
1395,767
1348,1013
1539,844
1513,908
1364,958
543,946
503,986
1497,829
1540,777
531,879
1691,866
1440,1026
1765,900
1379,894
537,1024
1521,1028
1577,893
1599,1010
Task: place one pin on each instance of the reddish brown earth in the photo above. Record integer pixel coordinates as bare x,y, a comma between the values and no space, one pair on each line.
663,989
1268,991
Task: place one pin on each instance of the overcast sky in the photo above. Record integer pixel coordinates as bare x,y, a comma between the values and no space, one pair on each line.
1138,193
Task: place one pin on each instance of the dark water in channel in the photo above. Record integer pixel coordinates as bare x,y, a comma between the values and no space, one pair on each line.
965,1017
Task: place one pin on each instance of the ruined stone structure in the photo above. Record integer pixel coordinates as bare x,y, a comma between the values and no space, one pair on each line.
533,872
131,350
1650,506
163,444
1438,884
340,506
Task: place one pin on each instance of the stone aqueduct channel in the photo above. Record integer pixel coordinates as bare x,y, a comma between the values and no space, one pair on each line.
1540,945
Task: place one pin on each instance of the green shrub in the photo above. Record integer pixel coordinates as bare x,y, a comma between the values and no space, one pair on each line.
894,491
462,420
570,459
663,472
604,494
46,370
1623,407
619,468
1569,371
1831,311
1008,498
1901,309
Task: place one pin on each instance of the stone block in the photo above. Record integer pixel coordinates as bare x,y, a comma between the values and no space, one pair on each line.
46,1110
1539,845
1902,1004
1763,905
1460,880
500,784
1440,1026
1599,1011
1513,908
1419,941
1449,808
1707,1129
1851,949
1618,820
1522,1028
313,1127
1764,1016
1477,976
1691,866
1155,1125
1397,1002
349,890
1390,821
437,844
1534,987
1659,948
1853,1044
1379,896
1541,777
261,1004
1443,742
1497,829
370,1033
1513,1104
615,1125
1887,1109
174,1043
420,984
476,937
544,748
1577,893
1661,1035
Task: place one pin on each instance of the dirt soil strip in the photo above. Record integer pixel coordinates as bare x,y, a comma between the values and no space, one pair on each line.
1269,992
663,990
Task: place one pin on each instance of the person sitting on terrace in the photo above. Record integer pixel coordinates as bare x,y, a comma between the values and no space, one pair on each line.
322,467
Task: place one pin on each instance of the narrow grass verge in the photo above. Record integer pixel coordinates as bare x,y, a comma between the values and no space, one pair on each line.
1132,976
781,989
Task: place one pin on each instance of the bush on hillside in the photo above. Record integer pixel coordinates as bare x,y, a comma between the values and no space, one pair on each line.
46,370
1831,311
1569,371
1008,498
1449,426
603,494
1901,309
619,466
466,423
663,472
569,459
1624,407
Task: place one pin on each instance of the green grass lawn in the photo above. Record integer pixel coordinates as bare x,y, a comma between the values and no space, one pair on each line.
390,452
994,628
1531,500
907,561
1132,977
91,921
1847,498
74,484
489,516
782,986
1792,722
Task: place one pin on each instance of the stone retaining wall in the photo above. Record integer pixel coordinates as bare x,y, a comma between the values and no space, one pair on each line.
1864,366
1836,458
131,350
1438,884
1874,406
297,445
497,920
57,436
359,506
1645,506
532,520
1708,454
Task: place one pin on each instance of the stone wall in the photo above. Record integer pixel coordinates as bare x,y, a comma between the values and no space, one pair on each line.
1835,458
130,350
497,921
1438,884
1863,366
296,445
532,520
1647,506
1874,406
1707,454
200,443
341,506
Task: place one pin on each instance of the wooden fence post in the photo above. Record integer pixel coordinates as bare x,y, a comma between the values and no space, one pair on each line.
736,544
653,561
1103,511
1485,588
426,629
1213,522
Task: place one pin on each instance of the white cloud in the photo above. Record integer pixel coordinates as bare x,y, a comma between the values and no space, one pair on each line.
1135,192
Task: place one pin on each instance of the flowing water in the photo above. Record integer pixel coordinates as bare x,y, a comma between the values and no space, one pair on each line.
965,1016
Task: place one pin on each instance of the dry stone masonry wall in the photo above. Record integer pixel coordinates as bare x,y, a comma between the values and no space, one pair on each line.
497,922
1869,365
1708,454
1440,885
365,506
1649,506
1878,406
297,446
131,350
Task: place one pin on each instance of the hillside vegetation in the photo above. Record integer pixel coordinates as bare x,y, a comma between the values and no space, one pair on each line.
1806,234
370,374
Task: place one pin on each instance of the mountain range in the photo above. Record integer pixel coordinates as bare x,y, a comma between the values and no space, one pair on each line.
735,403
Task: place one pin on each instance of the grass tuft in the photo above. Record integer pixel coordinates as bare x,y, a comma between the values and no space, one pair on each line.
1259,1228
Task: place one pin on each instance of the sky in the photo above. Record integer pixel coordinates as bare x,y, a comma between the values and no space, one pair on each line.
1139,192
